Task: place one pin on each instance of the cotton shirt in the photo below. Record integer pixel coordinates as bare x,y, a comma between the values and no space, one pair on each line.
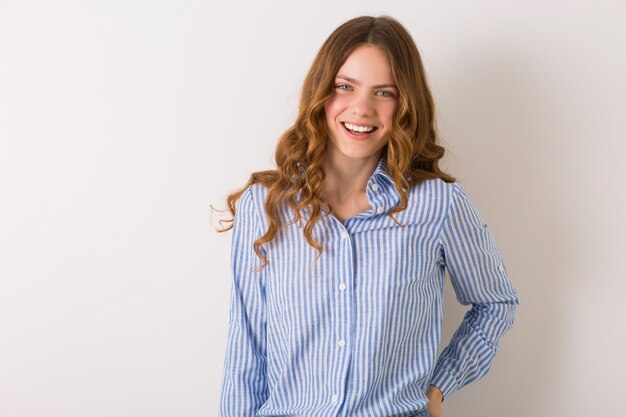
357,333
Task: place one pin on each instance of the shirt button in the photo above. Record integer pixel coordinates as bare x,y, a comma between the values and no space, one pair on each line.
342,343
334,398
344,234
342,286
375,187
379,210
501,268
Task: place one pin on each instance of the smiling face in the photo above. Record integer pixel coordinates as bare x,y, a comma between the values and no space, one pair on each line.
359,115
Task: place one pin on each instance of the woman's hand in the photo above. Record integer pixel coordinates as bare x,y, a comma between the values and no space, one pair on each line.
435,396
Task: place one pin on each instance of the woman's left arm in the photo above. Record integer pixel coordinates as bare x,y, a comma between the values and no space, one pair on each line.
479,278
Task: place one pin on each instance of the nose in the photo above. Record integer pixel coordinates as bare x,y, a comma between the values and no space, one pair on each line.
362,105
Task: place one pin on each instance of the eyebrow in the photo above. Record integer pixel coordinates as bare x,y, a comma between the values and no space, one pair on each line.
352,80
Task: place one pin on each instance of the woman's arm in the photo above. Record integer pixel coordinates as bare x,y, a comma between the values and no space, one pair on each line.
244,387
479,278
435,398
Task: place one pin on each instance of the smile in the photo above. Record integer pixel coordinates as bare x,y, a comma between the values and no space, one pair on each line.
358,129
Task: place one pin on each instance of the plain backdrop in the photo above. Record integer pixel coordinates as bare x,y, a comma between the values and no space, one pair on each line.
122,121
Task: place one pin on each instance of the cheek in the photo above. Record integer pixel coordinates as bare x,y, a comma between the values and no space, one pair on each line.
334,107
387,112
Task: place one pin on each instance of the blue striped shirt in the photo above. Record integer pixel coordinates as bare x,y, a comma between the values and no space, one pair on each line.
358,332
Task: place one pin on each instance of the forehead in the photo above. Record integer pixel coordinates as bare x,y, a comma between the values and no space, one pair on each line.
368,64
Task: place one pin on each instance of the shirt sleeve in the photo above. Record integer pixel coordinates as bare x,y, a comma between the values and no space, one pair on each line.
479,278
244,387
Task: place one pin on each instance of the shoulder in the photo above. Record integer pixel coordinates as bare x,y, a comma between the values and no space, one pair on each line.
436,189
251,203
429,202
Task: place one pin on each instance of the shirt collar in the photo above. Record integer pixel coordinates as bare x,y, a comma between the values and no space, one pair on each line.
381,169
381,191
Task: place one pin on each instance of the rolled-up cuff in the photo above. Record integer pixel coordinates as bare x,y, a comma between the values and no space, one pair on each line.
445,381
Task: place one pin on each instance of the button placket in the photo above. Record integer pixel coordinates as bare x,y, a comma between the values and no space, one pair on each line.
342,298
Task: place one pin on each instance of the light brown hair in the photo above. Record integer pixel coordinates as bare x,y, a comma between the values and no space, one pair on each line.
413,150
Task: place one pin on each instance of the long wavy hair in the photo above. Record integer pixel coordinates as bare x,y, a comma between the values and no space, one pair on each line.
413,150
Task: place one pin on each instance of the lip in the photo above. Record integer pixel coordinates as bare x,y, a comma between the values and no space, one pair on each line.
358,124
358,136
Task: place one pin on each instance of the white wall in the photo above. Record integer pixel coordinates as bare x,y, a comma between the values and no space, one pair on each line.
121,121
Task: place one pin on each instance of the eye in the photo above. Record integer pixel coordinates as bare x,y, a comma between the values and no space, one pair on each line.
344,87
385,93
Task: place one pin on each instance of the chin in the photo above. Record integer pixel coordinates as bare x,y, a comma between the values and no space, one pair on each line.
359,153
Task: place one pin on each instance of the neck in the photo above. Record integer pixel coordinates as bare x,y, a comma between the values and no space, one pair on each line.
347,177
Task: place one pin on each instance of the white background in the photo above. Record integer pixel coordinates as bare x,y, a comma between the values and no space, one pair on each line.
121,121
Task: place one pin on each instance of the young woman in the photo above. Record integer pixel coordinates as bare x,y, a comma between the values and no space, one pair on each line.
354,230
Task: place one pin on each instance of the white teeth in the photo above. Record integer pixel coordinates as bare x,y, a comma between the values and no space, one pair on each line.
359,128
